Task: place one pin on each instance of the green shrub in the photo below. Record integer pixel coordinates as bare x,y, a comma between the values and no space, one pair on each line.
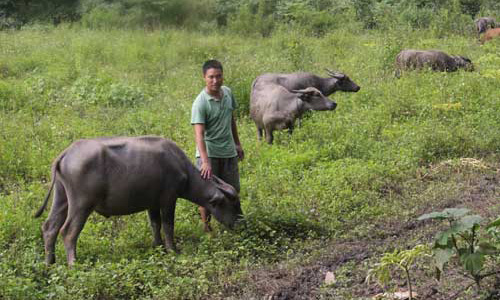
102,91
99,14
463,240
246,22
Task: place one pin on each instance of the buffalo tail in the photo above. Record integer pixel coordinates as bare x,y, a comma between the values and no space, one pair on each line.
55,167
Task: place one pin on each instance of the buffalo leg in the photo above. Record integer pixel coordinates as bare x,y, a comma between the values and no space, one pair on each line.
167,222
155,220
77,216
259,133
54,222
269,136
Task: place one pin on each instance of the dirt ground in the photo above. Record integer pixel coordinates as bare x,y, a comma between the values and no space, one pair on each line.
349,260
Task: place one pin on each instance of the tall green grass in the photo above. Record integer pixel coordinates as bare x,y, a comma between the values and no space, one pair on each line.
339,171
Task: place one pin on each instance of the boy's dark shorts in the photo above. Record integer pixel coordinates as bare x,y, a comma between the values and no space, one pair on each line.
224,168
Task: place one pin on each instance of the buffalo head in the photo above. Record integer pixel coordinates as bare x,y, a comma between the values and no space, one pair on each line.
314,100
464,63
225,204
343,82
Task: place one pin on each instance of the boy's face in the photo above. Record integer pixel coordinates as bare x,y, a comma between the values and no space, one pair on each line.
213,80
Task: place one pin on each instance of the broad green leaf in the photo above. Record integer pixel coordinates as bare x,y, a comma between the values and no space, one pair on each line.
432,215
455,212
441,257
468,222
487,248
442,238
464,224
445,214
495,223
472,262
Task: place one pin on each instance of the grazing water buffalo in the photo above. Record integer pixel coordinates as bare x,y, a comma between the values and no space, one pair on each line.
125,175
490,34
483,24
277,100
301,80
436,60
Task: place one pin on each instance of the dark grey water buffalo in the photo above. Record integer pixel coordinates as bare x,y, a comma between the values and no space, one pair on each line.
433,59
125,175
302,80
277,100
278,108
485,23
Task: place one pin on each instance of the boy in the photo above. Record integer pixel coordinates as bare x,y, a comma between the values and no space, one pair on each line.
218,147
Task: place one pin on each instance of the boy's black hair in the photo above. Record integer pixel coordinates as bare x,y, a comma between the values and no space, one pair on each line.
212,64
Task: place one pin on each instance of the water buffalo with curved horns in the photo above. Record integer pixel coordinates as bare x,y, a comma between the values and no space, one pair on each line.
277,100
301,80
125,175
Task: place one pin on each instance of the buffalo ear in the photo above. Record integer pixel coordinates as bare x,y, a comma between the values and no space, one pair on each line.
338,76
304,94
307,93
228,190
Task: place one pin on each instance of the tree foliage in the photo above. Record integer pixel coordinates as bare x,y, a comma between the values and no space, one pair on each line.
24,11
257,16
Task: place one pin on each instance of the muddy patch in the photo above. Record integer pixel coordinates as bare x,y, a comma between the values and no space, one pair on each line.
349,260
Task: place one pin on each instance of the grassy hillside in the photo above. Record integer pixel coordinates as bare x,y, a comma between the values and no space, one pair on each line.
337,174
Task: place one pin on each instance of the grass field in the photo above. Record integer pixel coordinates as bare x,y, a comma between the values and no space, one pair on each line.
339,173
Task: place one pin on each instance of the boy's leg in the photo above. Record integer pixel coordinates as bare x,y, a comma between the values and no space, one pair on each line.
204,213
229,172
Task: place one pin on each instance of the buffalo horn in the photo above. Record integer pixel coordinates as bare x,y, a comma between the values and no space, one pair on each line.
335,74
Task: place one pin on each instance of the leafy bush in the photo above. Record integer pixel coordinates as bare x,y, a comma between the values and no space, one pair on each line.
304,16
451,20
414,17
104,17
247,22
403,260
102,91
463,240
296,51
144,13
365,12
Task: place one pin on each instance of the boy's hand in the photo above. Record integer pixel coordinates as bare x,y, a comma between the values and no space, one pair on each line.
206,170
240,152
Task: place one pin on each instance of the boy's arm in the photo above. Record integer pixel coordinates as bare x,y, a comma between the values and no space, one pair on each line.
206,167
239,149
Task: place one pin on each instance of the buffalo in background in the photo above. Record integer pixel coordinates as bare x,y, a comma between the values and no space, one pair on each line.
433,59
485,23
277,100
